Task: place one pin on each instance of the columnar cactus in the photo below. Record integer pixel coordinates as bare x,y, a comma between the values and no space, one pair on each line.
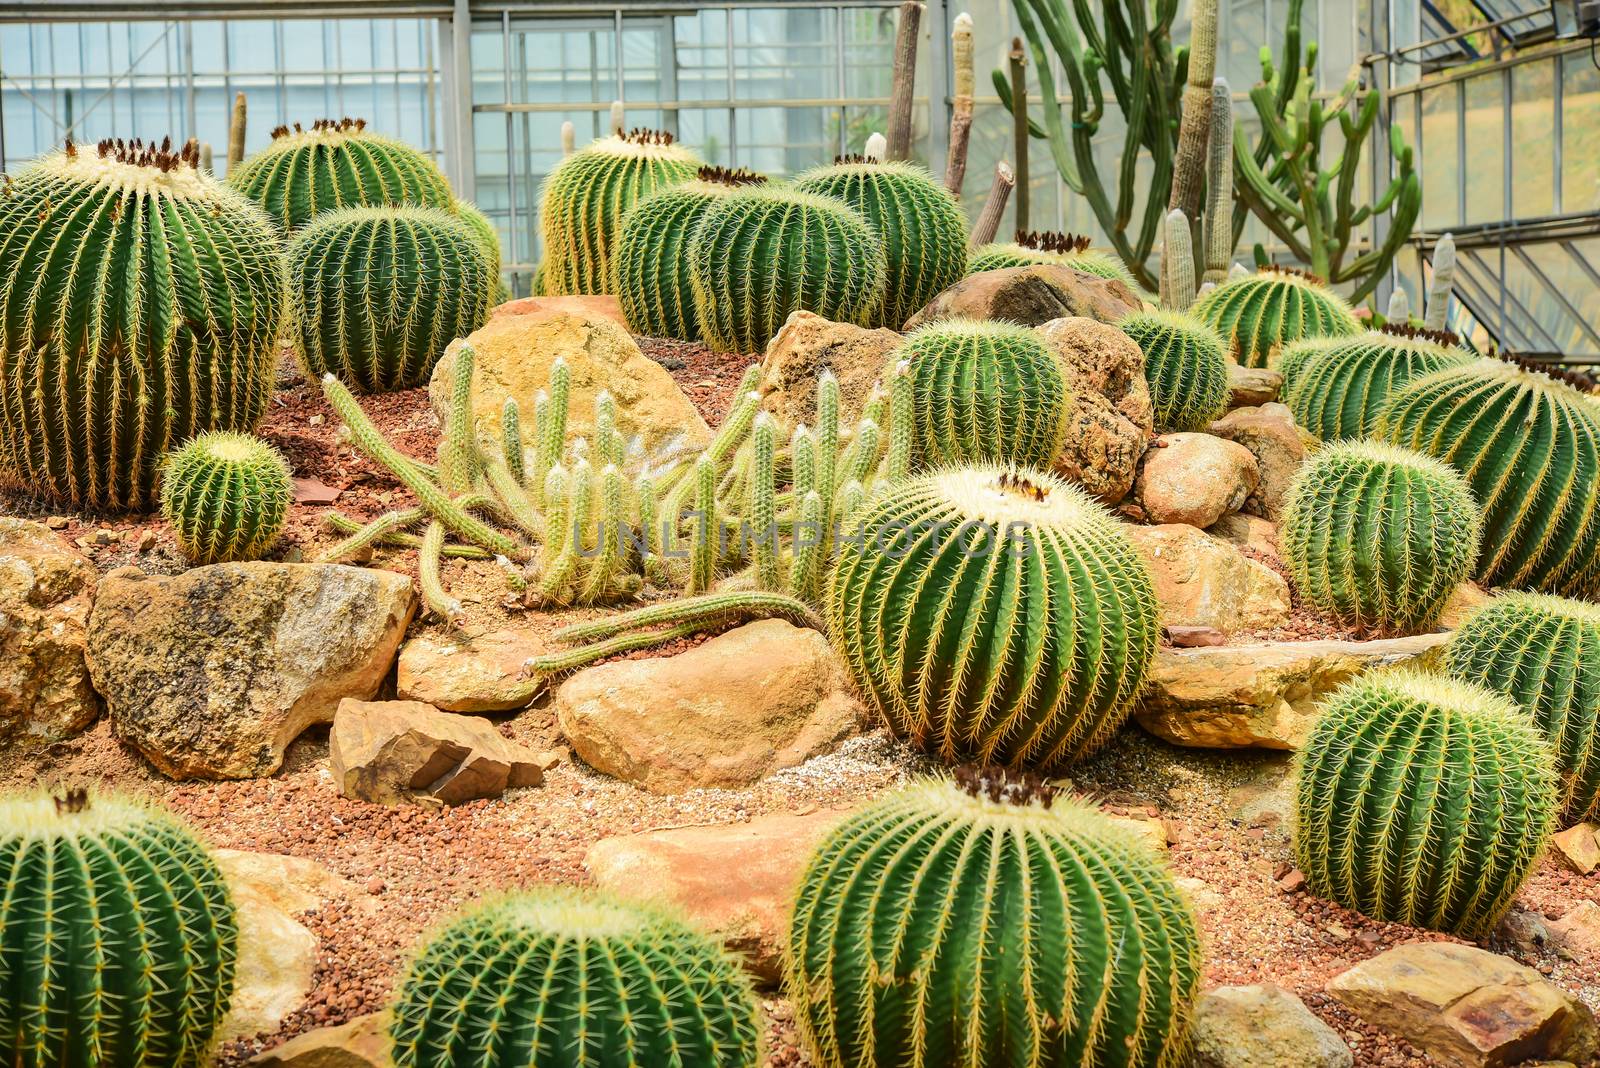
987,922
1528,443
1543,652
1260,313
763,253
986,392
1337,392
1185,367
337,163
117,936
1030,247
566,977
227,496
923,231
585,198
141,303
1422,800
996,614
382,291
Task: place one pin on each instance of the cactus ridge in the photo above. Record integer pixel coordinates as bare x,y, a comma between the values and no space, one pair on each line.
1260,313
1185,366
1029,247
488,239
227,496
1338,391
652,261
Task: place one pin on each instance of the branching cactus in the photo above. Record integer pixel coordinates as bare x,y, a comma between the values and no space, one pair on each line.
141,303
578,979
1259,314
337,163
117,936
227,496
1185,367
1379,536
1423,800
987,921
1030,247
1337,392
996,614
1543,652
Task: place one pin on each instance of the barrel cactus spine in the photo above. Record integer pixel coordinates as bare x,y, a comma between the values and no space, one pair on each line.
1260,313
489,240
1029,247
227,496
1337,392
1185,366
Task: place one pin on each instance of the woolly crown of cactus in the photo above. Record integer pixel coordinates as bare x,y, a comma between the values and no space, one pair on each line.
1030,247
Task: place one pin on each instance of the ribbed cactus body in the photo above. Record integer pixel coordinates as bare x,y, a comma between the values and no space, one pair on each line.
141,303
986,392
1069,249
117,937
995,615
1296,353
1185,366
338,164
762,254
488,239
942,928
1543,652
1260,313
1529,446
560,977
227,496
1337,392
923,231
1379,536
585,198
1422,800
380,292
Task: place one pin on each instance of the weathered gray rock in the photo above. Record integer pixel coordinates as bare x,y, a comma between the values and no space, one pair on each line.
1263,1026
807,345
470,672
1031,296
1202,581
46,591
1112,419
1194,479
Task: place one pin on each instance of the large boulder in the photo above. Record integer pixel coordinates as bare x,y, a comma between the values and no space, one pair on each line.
1262,1026
212,673
362,1043
1279,446
1112,417
1031,296
470,672
759,698
46,591
1202,581
807,345
1194,479
514,354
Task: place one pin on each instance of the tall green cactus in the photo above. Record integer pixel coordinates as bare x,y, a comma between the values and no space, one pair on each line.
1261,313
923,230
1379,536
1337,392
1185,367
987,922
762,254
337,163
1422,800
141,303
584,200
1030,247
573,978
1528,443
227,496
117,936
1543,652
994,613
381,291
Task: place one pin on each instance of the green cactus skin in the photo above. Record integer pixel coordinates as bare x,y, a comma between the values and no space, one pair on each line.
1070,249
338,164
227,497
1422,800
982,923
1337,392
1296,353
1543,652
489,240
117,936
572,978
923,231
585,198
1028,652
139,342
1379,536
762,254
1185,366
1260,313
985,392
1529,446
381,291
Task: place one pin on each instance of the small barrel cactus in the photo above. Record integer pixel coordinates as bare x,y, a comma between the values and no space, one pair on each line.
382,291
986,921
996,614
564,977
1422,800
1337,392
1260,313
1544,653
141,303
1030,247
227,496
651,258
117,936
1185,366
1379,536
923,231
985,392
584,200
1528,442
764,253
337,163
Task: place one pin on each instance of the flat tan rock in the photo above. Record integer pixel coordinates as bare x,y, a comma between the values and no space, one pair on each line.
1203,581
469,673
1578,848
361,1043
1247,532
46,591
1250,387
1262,1026
806,346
